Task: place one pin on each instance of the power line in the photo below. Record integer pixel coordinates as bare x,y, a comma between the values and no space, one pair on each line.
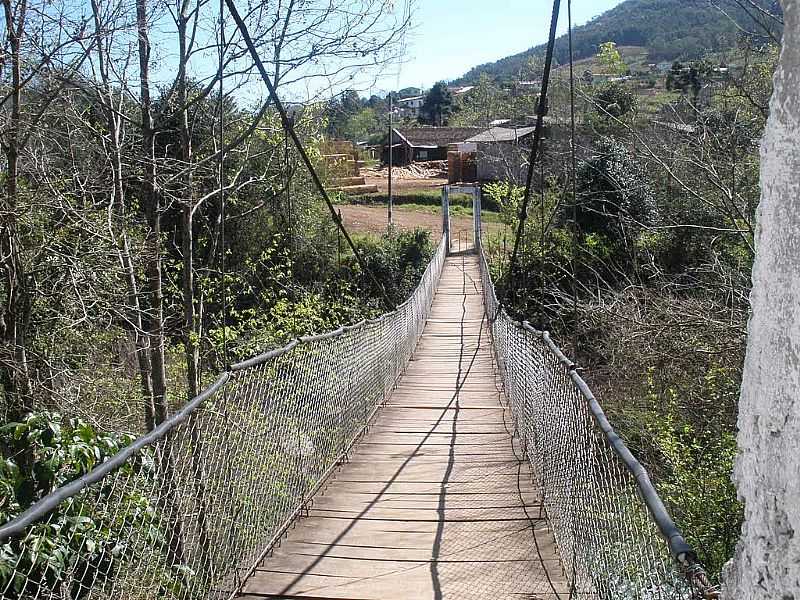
406,20
221,176
537,140
573,178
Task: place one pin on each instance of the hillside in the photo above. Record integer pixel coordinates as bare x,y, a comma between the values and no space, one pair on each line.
667,29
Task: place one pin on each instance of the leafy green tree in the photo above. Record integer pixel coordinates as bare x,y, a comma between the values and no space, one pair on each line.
340,110
614,193
611,59
438,106
485,103
689,79
79,537
362,125
613,100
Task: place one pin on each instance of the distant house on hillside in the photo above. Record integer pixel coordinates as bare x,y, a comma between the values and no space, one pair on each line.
503,152
460,90
526,88
415,144
410,107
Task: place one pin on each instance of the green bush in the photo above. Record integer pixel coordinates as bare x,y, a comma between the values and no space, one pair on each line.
398,260
431,197
614,193
81,541
613,100
692,459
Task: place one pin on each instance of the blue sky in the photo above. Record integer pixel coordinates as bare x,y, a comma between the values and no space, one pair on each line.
451,36
447,38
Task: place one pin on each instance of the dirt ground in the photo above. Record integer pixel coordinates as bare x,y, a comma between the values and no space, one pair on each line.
373,219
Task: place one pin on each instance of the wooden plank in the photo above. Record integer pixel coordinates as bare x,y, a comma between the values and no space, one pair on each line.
436,501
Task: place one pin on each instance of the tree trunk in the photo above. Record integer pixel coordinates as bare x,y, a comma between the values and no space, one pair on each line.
134,323
192,301
767,474
191,333
14,376
154,315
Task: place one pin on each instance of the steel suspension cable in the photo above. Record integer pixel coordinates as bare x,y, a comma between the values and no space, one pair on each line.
289,128
573,190
574,184
221,175
542,236
537,139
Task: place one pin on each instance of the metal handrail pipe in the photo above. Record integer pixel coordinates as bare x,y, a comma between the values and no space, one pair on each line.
37,511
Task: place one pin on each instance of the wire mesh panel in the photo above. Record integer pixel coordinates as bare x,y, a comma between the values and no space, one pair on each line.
614,536
188,510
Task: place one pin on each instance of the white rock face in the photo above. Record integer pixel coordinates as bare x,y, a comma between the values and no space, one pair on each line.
767,474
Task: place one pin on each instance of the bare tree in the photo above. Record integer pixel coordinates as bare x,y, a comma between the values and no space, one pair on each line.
39,39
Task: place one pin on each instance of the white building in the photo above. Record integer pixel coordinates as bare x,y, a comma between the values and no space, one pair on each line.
410,107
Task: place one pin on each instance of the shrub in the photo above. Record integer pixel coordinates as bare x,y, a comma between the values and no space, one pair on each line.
614,193
79,541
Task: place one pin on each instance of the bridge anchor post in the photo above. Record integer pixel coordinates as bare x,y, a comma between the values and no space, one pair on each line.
446,217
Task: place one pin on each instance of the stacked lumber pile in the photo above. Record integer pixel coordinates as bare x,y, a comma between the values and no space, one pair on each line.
343,169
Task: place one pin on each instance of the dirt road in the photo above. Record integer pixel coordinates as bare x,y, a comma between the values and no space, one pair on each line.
373,219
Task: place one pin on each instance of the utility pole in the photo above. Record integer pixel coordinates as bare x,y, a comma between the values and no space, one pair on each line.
391,152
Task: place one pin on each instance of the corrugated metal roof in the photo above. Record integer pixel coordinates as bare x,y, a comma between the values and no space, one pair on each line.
435,137
502,134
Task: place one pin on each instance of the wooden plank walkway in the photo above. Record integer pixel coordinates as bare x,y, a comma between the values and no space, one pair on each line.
435,502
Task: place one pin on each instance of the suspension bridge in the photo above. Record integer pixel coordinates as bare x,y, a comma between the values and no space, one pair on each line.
442,450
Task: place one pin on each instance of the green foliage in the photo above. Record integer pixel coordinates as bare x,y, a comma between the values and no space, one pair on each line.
669,29
692,459
398,260
614,194
270,306
40,454
688,79
363,126
438,106
482,105
611,59
508,197
613,100
342,117
490,101
431,197
749,94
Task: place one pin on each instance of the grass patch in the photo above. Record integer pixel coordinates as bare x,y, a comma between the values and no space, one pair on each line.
651,104
417,197
426,201
371,163
431,197
455,211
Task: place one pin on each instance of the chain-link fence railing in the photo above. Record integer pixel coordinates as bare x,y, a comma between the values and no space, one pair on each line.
188,510
614,535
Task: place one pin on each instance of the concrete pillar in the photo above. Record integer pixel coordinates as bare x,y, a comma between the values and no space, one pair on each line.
767,473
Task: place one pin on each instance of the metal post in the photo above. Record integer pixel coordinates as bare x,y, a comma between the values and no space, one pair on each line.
391,152
446,217
476,209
